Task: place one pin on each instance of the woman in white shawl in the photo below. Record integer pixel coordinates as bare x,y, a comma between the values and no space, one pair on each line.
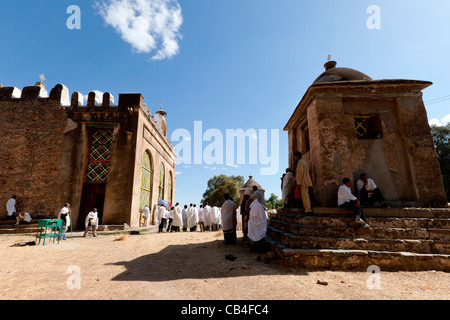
257,223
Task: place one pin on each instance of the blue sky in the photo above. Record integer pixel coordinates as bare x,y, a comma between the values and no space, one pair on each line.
232,64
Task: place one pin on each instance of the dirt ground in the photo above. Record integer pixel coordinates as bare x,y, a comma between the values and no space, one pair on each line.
185,266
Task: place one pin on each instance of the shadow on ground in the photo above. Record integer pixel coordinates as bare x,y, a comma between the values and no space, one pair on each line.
201,261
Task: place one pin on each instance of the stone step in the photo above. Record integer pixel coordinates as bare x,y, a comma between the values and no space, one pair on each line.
378,222
359,260
352,231
376,212
358,243
21,230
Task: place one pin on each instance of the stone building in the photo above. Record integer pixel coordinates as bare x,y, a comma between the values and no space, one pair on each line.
347,124
54,149
248,187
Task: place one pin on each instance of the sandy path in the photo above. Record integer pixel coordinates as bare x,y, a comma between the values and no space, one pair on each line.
184,266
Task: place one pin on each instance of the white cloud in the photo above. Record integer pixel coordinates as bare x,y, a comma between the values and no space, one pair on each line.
444,121
98,98
147,25
232,165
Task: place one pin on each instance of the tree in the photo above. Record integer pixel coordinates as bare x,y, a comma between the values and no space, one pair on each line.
273,202
441,139
219,185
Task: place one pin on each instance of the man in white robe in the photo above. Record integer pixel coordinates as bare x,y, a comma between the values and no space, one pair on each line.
207,217
145,215
200,218
64,215
92,220
169,217
215,218
192,218
177,222
257,223
161,217
288,188
11,207
184,215
23,217
229,220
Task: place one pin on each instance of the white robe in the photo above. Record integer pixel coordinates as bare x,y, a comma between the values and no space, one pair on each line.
11,206
94,217
65,211
288,187
200,214
177,217
146,212
215,219
192,217
207,215
184,215
227,214
161,213
26,217
257,222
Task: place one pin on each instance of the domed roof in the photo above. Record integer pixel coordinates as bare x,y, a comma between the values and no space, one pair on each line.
250,183
333,74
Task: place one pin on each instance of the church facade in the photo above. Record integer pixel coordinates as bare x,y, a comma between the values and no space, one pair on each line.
347,124
56,150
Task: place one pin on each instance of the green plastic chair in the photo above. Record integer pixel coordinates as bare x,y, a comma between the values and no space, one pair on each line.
49,228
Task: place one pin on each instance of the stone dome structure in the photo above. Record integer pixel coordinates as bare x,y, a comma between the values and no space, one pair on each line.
333,74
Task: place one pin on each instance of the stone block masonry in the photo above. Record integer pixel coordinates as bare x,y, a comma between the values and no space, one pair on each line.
31,138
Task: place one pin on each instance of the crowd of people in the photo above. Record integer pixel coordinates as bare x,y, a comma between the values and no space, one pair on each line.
250,217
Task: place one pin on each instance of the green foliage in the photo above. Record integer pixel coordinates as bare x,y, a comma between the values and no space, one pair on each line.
219,185
273,202
441,138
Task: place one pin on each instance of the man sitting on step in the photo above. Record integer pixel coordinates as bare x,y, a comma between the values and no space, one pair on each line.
368,191
348,201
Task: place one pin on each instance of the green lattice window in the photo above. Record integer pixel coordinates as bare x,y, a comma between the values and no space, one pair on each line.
161,182
170,189
146,180
99,155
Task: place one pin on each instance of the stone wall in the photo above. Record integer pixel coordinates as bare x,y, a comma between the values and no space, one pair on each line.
45,148
31,133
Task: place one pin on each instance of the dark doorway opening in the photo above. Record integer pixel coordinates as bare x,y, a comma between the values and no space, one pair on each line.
93,197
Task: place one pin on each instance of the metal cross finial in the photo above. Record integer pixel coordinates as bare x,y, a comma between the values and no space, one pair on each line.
42,77
329,57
